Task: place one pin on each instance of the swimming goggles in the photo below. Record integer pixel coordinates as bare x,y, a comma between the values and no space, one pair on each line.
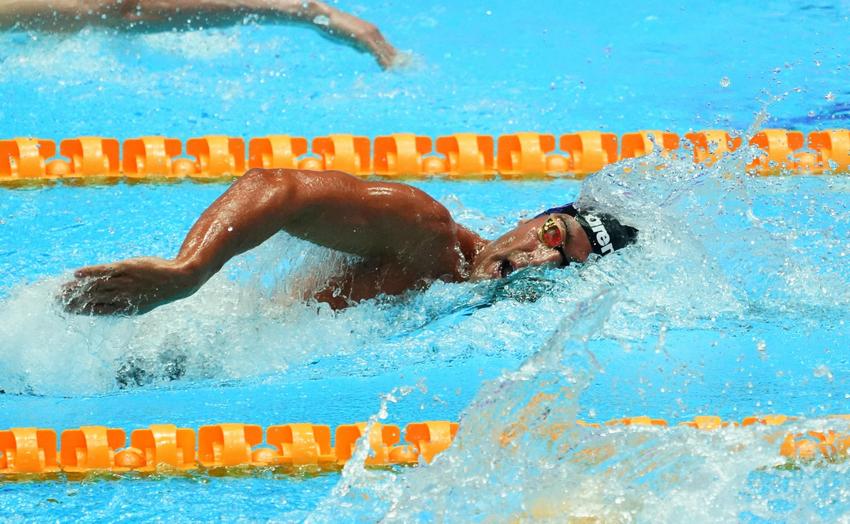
553,234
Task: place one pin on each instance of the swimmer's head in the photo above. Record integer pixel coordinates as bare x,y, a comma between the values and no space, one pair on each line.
558,236
606,233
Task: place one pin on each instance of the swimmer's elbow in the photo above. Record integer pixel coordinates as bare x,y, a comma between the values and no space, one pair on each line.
305,9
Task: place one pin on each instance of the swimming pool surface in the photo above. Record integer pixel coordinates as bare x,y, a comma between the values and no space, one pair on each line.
734,303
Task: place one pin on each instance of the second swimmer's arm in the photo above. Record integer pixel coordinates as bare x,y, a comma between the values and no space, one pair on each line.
323,16
348,27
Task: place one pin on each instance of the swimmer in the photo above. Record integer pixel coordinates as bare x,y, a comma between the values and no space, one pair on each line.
60,15
403,238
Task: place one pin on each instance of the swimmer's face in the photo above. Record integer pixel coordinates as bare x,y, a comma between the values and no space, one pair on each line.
523,247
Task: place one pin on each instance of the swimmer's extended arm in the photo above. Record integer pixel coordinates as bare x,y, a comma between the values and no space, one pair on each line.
384,222
323,16
343,25
62,14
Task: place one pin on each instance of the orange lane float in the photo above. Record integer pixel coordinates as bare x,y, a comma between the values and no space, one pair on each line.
25,158
589,151
526,154
276,151
519,155
637,421
347,153
382,440
91,156
767,420
28,450
165,448
467,155
91,448
301,444
778,146
403,154
709,146
705,422
813,445
431,438
150,156
217,156
833,149
642,143
228,445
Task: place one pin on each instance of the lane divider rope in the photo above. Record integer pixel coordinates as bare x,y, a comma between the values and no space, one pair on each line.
165,448
400,155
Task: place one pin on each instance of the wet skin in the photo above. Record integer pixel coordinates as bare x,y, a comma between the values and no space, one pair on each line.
521,247
63,15
403,237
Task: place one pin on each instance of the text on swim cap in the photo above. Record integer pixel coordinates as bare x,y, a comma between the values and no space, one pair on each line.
602,236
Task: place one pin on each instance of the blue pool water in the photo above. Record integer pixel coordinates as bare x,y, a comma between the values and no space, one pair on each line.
734,303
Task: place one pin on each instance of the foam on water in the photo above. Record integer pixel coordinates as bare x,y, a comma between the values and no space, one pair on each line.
757,262
717,251
707,256
160,80
520,456
195,45
87,46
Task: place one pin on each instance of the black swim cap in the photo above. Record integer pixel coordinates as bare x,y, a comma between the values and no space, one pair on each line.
606,233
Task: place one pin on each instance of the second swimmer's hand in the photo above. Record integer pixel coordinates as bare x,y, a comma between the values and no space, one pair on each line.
370,37
132,286
363,33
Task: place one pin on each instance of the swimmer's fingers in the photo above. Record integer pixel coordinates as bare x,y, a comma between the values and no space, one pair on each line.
99,271
105,286
71,294
100,296
385,54
109,308
82,287
93,306
370,37
383,51
131,286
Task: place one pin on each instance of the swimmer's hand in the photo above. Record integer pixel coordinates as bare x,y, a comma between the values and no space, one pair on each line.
361,32
132,286
382,50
